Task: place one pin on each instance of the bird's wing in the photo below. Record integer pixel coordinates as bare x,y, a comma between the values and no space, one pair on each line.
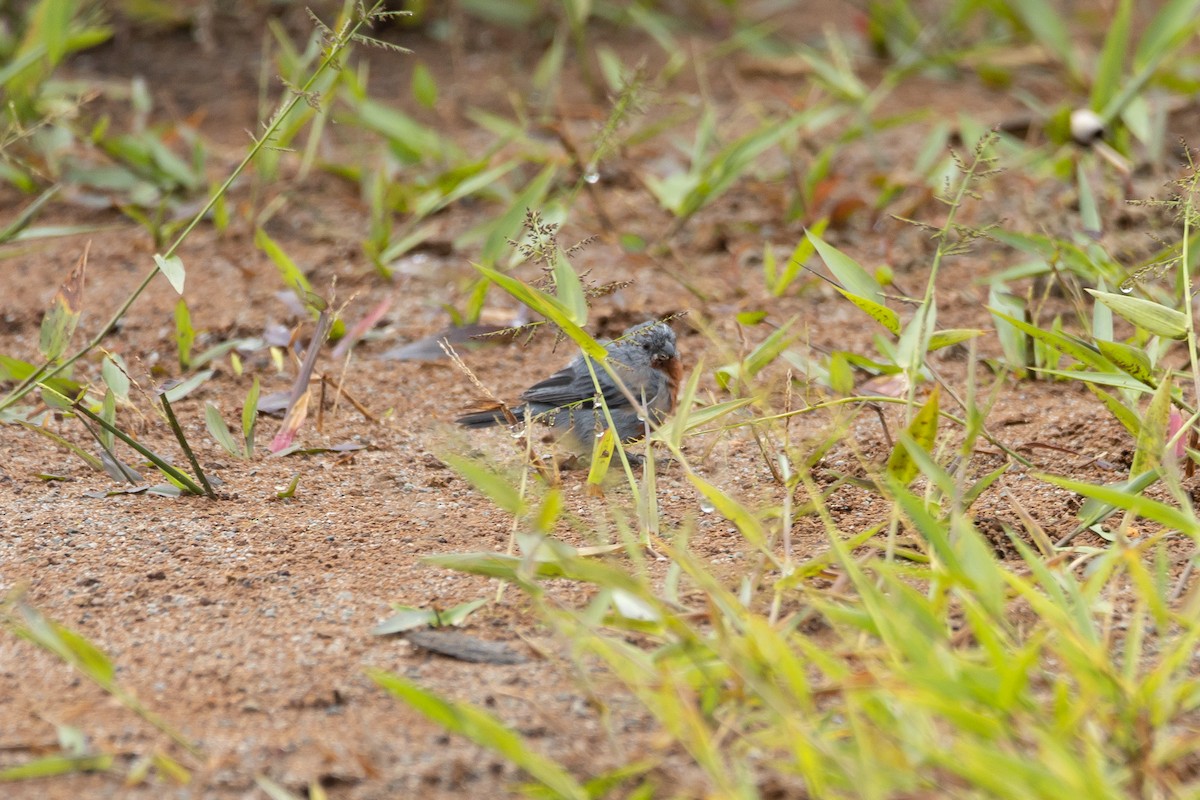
573,385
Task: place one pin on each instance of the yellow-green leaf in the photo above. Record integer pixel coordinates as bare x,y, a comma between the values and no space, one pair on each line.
50,766
482,729
1182,520
291,273
878,311
569,290
602,453
1146,314
1132,361
923,431
497,489
854,279
952,336
732,510
1152,433
549,307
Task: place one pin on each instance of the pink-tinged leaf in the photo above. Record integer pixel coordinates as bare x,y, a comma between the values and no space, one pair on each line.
885,386
1174,423
291,424
298,401
361,327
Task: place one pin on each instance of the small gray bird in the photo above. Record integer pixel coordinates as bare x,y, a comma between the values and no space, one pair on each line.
644,358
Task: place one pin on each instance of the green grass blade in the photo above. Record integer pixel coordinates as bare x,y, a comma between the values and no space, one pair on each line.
1182,520
483,729
51,766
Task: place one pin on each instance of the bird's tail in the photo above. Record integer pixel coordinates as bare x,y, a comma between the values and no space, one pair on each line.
483,419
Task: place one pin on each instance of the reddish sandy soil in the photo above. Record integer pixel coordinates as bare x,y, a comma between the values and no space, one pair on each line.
245,622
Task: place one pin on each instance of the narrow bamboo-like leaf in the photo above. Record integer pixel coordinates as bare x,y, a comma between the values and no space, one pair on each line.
568,289
732,510
49,766
923,431
1117,380
405,619
783,276
494,565
1181,520
424,88
112,370
408,139
879,312
913,345
1107,78
1146,314
291,274
483,729
701,417
952,336
459,613
552,507
769,349
186,387
220,431
90,659
108,411
1089,212
1152,434
172,270
400,246
673,433
848,272
222,348
722,169
185,334
171,472
980,486
493,486
549,307
1094,510
926,465
1131,360
441,197
63,315
1125,415
1174,22
250,418
1102,320
602,453
1048,27
496,232
185,445
1006,309
93,462
27,214
550,65
67,645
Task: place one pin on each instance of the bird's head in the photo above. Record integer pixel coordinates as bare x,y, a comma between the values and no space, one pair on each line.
658,341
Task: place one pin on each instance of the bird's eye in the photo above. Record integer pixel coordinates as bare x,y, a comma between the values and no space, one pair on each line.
646,346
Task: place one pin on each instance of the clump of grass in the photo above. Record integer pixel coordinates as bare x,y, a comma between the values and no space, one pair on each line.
920,664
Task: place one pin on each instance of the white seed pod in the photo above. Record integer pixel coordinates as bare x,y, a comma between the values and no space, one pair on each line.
1086,126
